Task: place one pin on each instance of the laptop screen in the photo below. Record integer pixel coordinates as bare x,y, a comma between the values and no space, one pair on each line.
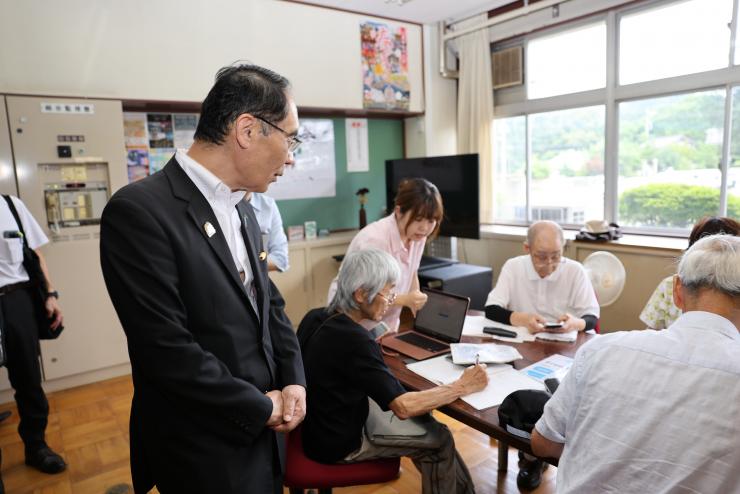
442,316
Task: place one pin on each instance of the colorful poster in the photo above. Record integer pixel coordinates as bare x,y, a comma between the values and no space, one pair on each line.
134,129
137,156
385,82
137,173
160,130
185,124
158,158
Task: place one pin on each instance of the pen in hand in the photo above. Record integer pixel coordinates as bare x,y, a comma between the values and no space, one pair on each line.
477,359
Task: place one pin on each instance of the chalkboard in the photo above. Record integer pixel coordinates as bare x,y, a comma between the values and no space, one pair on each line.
385,138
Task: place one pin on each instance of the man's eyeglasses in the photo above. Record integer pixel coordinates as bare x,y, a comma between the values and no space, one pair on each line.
545,259
293,142
390,298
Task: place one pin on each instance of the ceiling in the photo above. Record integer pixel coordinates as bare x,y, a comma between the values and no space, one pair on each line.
420,11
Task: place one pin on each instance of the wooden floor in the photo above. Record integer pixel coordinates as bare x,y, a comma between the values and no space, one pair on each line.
89,427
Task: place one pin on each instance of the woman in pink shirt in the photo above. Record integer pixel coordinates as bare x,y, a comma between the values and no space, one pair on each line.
417,214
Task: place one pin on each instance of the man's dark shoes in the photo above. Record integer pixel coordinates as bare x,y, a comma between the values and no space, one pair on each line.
45,459
530,474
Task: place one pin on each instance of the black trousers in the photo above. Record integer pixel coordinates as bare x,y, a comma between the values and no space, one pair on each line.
20,330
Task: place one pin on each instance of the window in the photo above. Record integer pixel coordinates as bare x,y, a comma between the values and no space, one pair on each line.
733,173
510,169
645,134
669,151
555,64
567,163
676,39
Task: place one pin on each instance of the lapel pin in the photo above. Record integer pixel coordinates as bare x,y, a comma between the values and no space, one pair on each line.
210,231
263,255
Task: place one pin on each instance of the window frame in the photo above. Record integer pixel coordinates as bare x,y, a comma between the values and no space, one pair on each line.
611,96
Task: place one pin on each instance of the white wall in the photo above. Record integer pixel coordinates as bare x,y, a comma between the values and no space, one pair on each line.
434,133
171,49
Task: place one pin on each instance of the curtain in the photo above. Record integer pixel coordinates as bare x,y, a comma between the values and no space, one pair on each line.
475,106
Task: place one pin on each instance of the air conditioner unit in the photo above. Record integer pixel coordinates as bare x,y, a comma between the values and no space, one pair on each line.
507,67
558,214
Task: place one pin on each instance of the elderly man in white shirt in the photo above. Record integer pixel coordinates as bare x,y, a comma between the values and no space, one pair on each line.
657,411
538,288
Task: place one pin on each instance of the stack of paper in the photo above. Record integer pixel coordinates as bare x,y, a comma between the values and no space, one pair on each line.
486,353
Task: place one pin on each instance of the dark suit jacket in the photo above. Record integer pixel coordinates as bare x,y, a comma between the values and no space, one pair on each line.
201,357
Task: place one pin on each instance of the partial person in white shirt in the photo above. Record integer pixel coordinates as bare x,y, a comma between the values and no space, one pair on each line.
273,235
537,288
20,332
657,411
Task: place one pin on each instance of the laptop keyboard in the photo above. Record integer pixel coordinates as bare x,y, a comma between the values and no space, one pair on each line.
421,342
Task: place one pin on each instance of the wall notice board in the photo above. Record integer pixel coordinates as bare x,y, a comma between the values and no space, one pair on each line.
385,142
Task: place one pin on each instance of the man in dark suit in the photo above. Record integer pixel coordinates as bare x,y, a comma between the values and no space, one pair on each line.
217,371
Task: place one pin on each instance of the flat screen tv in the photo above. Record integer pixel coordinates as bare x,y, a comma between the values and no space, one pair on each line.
456,177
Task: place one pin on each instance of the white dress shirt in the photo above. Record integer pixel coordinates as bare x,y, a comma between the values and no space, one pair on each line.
651,411
223,202
11,248
271,227
520,289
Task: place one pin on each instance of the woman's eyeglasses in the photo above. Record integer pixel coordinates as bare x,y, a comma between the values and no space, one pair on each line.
389,299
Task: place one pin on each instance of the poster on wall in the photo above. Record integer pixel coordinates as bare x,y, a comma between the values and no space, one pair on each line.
314,172
185,124
152,138
159,126
385,82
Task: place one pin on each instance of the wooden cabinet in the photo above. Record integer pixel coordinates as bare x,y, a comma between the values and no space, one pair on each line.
312,268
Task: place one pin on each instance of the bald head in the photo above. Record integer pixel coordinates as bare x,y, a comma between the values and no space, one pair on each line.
548,231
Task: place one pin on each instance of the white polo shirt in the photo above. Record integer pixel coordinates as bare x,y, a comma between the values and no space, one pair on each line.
520,289
11,249
651,411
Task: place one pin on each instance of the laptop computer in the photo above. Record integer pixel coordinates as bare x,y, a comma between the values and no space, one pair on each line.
438,323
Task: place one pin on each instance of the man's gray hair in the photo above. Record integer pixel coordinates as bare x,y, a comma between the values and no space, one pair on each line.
538,227
713,262
369,270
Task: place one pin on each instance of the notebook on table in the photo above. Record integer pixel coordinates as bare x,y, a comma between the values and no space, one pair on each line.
439,323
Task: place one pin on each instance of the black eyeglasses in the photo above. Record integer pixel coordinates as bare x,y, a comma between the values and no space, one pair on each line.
293,142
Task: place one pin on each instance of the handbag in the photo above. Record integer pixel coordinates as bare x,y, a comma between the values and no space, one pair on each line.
386,429
39,289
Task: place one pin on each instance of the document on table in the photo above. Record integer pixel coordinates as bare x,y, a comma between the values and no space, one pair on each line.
474,327
501,385
441,370
556,366
503,379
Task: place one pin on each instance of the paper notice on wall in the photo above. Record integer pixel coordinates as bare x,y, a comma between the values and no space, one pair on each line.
358,159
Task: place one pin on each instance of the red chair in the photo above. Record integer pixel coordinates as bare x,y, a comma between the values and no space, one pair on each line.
302,473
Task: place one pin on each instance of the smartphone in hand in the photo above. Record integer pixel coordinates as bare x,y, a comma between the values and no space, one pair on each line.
553,325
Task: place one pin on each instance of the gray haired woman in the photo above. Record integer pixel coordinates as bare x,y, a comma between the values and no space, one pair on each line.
347,376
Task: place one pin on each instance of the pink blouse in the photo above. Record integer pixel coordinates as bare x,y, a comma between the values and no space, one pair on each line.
383,234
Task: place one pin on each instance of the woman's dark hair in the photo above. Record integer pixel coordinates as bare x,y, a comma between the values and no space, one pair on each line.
421,197
241,89
713,225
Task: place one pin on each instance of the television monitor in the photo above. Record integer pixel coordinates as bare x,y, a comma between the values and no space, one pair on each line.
456,177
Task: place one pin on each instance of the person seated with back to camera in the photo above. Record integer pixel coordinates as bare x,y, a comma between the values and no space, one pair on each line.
539,287
660,311
657,411
345,368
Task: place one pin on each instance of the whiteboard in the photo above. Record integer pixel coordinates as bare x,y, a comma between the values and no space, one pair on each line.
314,172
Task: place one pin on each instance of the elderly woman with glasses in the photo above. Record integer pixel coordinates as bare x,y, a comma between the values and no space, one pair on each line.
542,291
348,383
